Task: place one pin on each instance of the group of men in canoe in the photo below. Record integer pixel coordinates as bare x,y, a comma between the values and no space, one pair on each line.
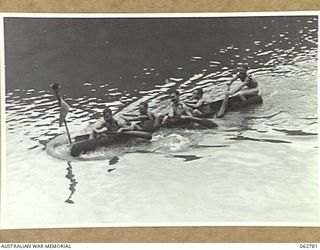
195,107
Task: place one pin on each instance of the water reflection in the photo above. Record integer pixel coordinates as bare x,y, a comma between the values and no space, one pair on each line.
241,137
188,157
70,176
114,160
295,132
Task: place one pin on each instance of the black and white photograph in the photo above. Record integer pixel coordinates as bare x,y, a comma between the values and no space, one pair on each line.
159,120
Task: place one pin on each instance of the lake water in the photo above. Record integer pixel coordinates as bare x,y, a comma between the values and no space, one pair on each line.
259,166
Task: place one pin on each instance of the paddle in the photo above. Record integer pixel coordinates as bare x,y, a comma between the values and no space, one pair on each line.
64,109
128,114
202,121
141,134
224,105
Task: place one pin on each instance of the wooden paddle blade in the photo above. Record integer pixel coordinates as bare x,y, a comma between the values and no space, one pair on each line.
224,105
141,134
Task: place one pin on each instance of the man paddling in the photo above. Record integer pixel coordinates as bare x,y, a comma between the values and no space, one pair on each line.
143,122
200,106
249,86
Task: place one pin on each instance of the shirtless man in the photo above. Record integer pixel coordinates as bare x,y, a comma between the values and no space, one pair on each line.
110,124
178,109
249,86
143,122
199,105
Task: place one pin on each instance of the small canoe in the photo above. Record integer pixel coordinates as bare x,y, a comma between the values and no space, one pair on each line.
83,143
234,103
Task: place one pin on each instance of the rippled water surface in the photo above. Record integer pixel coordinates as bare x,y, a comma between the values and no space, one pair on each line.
259,165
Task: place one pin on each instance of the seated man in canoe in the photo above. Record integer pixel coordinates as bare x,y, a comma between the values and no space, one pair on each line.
105,134
178,109
249,86
180,112
110,124
145,121
200,106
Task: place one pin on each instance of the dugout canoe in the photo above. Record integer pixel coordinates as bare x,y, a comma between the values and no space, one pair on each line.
234,103
84,144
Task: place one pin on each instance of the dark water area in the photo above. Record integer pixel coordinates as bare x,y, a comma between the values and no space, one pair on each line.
136,54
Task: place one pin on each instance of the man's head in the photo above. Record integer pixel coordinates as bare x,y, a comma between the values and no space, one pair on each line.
55,88
175,96
107,114
143,108
198,93
242,68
